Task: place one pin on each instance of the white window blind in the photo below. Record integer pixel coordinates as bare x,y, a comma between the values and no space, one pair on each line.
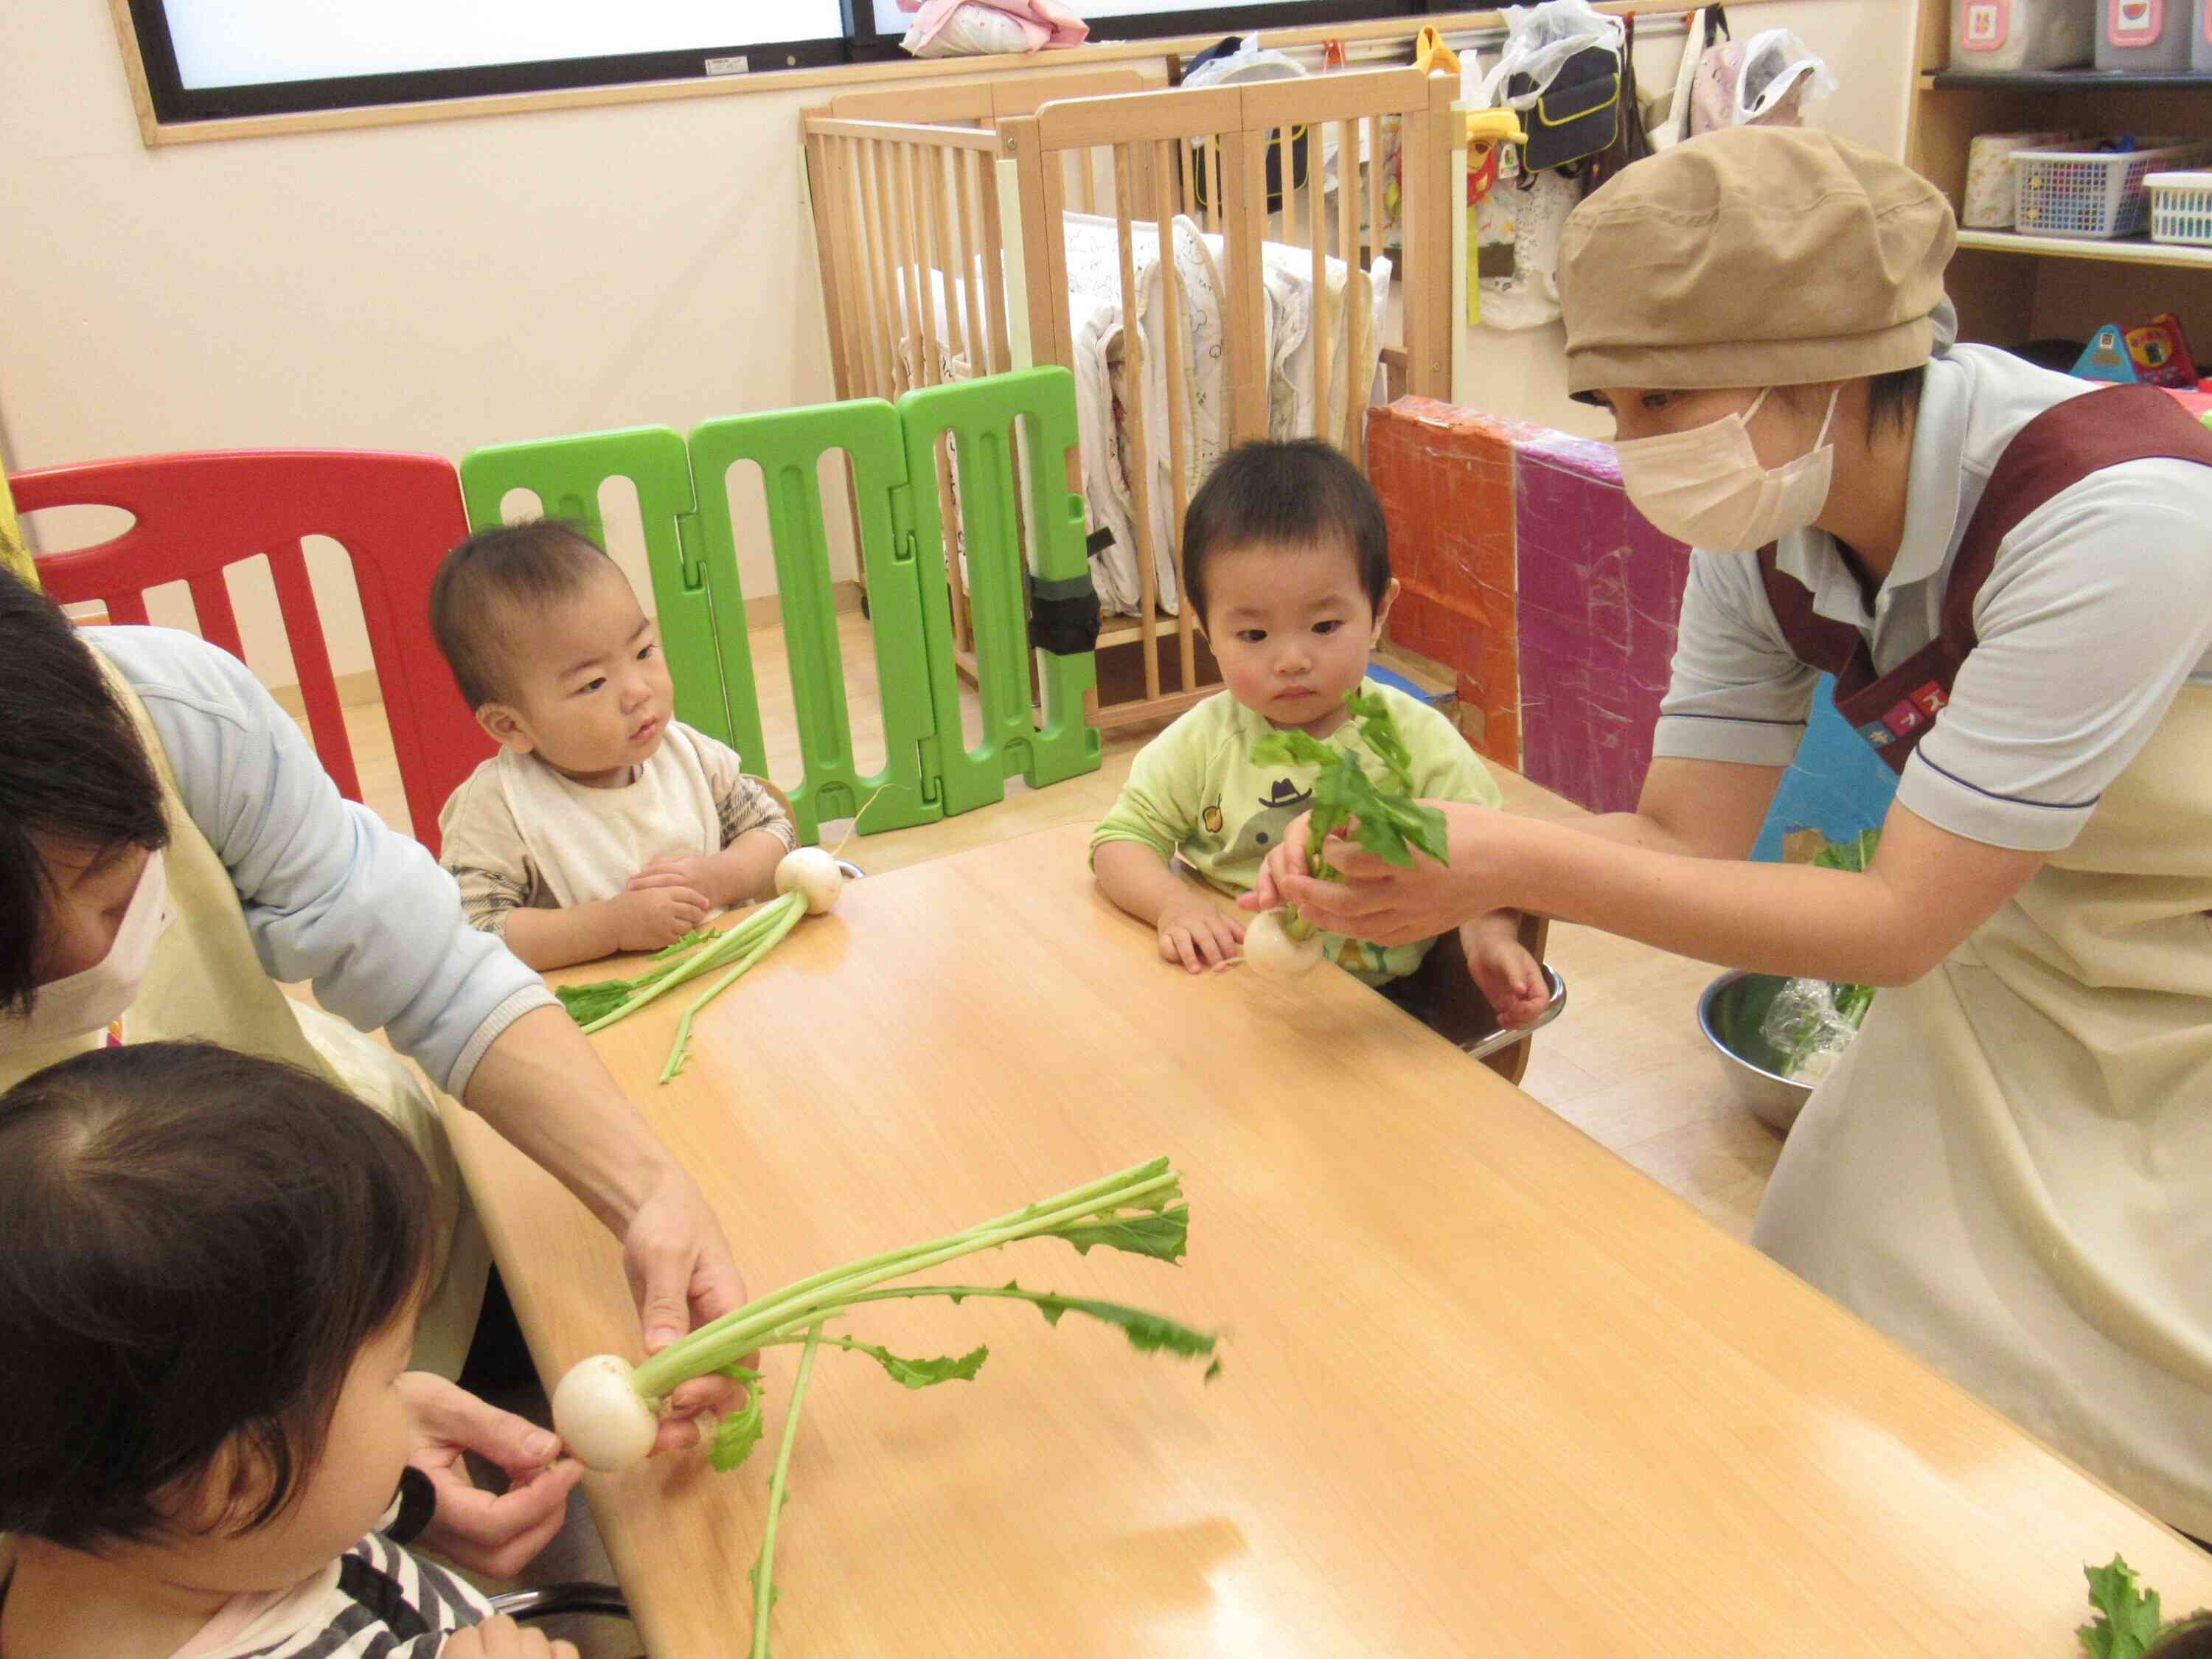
239,43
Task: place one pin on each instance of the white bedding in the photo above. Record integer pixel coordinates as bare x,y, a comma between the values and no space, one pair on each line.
1094,273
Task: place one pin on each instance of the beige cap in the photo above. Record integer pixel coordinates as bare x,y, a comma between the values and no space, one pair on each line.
1754,257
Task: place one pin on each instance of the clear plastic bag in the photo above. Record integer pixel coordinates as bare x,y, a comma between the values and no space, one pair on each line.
1811,1023
1539,41
1765,81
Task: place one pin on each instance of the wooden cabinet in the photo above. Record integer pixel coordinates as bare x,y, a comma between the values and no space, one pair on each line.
2011,289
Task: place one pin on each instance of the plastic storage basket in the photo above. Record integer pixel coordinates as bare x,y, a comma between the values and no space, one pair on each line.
2180,208
2077,190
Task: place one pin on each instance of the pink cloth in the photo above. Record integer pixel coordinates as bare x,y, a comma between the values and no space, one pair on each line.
1042,23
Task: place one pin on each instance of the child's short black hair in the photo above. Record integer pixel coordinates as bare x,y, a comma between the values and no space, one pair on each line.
72,772
1300,494
530,565
199,1243
2192,1640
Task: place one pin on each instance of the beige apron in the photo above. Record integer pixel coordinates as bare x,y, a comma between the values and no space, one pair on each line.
204,980
2011,1170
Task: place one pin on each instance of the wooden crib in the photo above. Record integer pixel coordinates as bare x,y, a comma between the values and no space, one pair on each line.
994,226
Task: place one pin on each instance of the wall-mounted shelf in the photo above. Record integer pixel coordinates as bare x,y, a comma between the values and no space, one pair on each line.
2013,289
2061,81
2132,250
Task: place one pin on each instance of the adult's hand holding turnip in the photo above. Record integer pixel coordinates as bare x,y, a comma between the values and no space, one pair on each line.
1383,902
674,1254
496,1533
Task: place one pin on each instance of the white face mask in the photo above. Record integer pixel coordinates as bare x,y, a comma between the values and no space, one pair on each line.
1706,486
95,997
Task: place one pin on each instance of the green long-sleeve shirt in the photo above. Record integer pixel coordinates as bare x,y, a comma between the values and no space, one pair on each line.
1195,791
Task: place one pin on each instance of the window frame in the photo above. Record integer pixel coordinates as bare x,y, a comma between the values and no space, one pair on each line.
178,108
175,104
1204,20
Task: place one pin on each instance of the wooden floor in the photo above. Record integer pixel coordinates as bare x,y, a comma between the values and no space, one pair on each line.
1624,1063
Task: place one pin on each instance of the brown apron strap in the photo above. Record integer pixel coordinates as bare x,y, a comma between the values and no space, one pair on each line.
1826,644
2052,453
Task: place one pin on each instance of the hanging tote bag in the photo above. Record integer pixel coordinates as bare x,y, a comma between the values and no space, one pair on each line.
1630,142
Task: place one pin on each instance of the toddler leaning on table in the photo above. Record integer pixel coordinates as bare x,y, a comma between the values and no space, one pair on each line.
603,824
1287,569
214,1267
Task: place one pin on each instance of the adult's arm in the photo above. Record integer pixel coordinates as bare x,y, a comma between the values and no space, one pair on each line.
332,896
1925,891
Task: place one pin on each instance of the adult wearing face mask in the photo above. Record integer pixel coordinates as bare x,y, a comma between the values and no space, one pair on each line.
170,849
2011,573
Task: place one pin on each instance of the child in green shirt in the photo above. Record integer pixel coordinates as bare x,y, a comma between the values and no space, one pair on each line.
1287,568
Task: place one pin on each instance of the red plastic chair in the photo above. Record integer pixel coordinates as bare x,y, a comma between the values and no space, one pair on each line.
395,515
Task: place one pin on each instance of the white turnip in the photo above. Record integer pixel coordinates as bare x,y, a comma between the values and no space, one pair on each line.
1274,952
813,872
600,1415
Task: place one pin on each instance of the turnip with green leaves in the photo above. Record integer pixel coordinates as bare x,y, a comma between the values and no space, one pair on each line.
608,1410
1383,819
808,882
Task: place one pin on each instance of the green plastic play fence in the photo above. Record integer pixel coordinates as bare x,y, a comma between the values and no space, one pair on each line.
683,499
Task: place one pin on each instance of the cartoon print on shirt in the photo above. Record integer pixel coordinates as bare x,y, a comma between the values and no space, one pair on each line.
1278,809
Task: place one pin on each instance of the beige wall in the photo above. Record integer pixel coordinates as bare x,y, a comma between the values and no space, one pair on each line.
442,286
430,287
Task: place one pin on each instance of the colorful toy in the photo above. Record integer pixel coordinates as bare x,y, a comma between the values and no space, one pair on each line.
2160,353
2107,358
1487,130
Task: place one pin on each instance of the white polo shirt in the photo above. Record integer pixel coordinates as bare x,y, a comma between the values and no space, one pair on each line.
2097,612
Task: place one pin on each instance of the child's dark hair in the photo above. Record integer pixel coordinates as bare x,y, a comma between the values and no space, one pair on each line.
1301,493
529,565
72,771
2192,1640
199,1244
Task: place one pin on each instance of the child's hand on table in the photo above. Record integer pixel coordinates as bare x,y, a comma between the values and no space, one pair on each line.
501,1638
1195,934
1510,979
646,918
700,873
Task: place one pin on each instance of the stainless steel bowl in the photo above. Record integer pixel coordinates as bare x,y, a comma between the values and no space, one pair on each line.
1730,1013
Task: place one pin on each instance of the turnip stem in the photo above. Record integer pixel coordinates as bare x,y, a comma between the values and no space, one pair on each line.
1100,1191
774,936
726,944
1181,1338
764,1570
726,1340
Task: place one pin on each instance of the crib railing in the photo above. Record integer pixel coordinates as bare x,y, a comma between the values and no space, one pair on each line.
942,255
897,178
1247,163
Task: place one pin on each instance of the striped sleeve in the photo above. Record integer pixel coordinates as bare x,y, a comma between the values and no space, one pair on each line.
382,1603
482,848
741,804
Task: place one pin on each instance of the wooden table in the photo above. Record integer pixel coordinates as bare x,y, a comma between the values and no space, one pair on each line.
1487,1390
